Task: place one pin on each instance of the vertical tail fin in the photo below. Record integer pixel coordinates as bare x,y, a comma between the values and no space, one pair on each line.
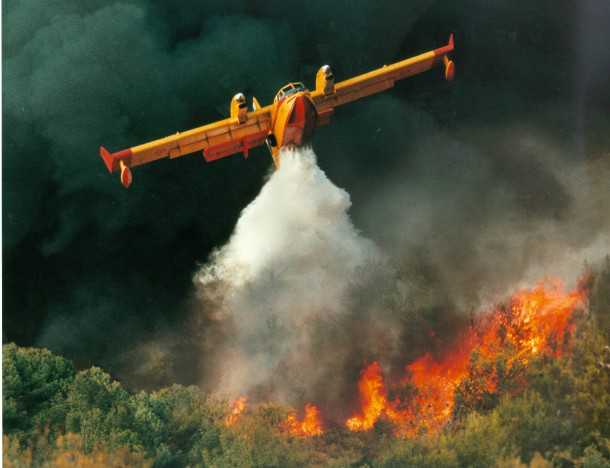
118,161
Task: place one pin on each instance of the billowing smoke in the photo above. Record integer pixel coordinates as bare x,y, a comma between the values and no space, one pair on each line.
284,288
298,300
483,218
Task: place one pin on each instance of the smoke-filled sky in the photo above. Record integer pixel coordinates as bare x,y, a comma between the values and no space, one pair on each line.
465,189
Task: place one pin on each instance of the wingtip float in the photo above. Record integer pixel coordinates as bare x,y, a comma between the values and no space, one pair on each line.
289,121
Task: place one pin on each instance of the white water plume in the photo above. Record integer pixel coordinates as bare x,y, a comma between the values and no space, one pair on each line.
284,277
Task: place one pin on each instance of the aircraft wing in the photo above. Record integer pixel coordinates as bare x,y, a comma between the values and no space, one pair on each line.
216,140
381,79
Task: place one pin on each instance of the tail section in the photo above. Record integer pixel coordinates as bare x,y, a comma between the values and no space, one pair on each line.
118,161
442,53
107,158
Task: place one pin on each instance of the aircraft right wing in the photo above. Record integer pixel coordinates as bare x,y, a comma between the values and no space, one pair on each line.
326,98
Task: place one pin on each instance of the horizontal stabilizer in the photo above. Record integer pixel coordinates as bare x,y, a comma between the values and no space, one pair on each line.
111,160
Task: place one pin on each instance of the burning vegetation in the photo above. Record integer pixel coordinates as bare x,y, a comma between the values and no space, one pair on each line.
237,408
535,322
527,381
309,426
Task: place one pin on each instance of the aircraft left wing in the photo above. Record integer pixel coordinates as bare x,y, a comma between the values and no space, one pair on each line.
237,134
328,95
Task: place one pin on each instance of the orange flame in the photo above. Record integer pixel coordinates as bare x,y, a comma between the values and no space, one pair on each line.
537,321
237,408
311,424
373,399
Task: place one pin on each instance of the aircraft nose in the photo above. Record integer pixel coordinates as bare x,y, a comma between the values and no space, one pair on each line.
303,109
303,117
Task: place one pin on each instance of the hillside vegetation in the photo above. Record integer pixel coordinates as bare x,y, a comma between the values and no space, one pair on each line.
54,415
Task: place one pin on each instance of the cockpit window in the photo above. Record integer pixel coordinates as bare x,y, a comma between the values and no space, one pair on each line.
289,89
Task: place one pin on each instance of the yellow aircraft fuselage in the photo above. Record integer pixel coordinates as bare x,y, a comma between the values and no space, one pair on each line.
290,120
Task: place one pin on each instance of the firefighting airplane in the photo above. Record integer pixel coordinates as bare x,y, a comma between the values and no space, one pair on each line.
289,121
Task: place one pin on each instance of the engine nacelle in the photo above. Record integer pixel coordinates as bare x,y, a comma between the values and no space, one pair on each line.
126,177
239,108
325,80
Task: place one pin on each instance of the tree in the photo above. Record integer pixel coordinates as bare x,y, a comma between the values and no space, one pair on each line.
177,425
99,410
35,385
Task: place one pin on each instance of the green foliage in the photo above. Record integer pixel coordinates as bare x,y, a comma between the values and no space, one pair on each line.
577,391
34,387
533,424
424,454
594,459
480,440
177,425
67,451
257,441
99,410
599,299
